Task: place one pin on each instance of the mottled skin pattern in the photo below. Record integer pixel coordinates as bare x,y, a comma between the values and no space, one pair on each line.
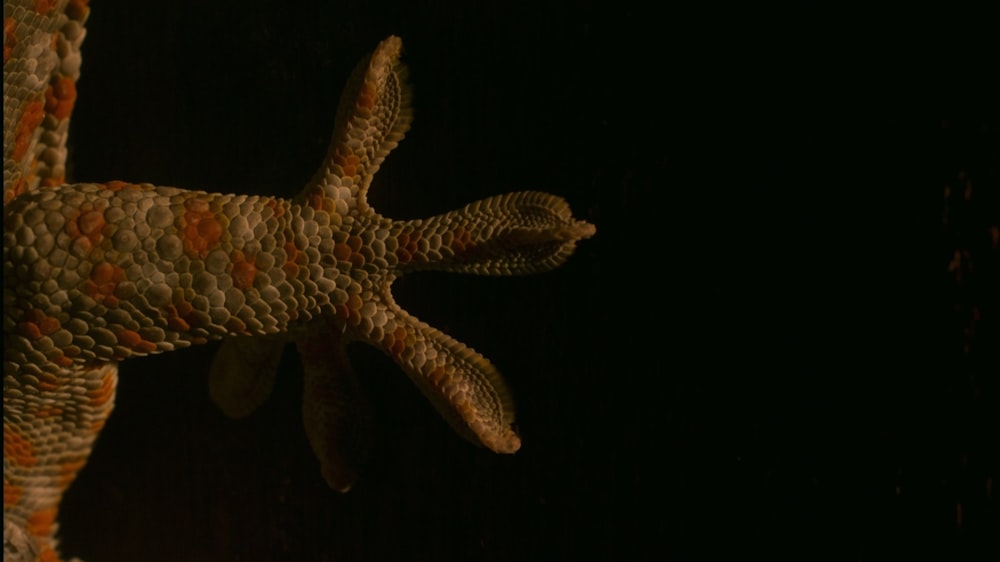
97,273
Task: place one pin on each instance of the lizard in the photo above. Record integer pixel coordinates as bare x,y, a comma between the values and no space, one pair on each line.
97,273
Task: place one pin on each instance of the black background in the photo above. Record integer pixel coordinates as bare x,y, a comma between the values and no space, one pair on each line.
726,367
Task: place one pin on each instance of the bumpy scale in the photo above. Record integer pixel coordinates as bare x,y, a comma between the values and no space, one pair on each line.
97,273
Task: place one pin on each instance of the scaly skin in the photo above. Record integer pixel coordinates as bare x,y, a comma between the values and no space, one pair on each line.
97,273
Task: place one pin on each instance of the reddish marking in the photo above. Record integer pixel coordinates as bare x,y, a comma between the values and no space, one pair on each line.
11,494
235,326
200,228
49,555
40,522
53,181
91,223
48,381
29,330
341,251
62,360
395,343
292,256
120,185
86,226
244,270
35,324
60,97
34,112
354,243
407,249
275,206
68,471
174,321
50,411
102,394
177,314
77,9
318,200
436,376
354,305
461,241
344,157
17,448
132,340
104,279
9,38
366,96
43,7
342,311
17,188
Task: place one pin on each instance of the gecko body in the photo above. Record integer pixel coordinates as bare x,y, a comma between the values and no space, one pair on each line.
97,273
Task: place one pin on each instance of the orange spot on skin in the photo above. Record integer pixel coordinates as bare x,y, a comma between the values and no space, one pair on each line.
348,161
354,244
43,7
18,449
104,279
77,9
407,249
48,382
235,326
395,343
342,311
40,522
53,181
318,200
366,96
120,185
177,313
60,97
68,471
244,271
183,307
29,330
177,324
354,305
9,38
341,251
48,412
200,228
131,339
292,257
34,112
86,227
11,494
17,188
461,241
275,206
36,324
62,360
91,222
102,394
436,376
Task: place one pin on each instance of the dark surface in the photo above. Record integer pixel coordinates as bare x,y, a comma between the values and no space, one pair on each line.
699,378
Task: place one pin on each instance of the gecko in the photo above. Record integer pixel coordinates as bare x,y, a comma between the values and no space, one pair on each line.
97,273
